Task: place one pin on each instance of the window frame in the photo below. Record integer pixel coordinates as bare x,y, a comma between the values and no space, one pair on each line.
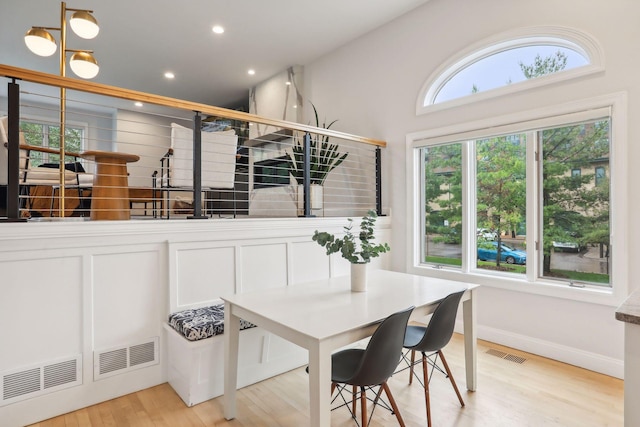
546,35
615,105
48,123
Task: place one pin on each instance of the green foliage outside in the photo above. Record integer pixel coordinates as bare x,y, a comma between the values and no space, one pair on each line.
49,136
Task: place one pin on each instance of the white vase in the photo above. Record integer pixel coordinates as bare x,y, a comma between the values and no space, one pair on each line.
358,277
317,200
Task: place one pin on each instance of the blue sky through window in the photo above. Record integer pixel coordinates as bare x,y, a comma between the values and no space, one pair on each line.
501,69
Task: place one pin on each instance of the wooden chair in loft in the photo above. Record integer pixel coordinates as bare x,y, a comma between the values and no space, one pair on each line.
47,178
218,163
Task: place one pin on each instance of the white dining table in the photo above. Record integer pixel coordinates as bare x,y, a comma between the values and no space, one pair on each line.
325,315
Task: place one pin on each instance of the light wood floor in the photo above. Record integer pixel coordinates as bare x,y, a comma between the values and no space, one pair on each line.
536,392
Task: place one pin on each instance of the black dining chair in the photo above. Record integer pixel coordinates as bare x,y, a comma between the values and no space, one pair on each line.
372,366
430,340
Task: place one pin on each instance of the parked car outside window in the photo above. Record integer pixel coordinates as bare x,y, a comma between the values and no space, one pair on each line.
489,252
567,247
487,234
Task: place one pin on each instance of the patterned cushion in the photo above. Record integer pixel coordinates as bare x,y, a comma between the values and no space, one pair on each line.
200,323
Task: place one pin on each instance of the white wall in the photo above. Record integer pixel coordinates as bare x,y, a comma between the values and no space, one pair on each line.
148,136
372,85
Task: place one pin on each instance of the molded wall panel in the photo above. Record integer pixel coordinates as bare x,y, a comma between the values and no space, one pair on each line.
126,296
41,309
308,263
102,285
204,274
264,267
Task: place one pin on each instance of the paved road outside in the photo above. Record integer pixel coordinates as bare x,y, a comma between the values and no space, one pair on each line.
588,261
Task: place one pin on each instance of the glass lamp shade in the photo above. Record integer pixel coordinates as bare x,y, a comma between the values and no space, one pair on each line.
84,65
40,42
84,24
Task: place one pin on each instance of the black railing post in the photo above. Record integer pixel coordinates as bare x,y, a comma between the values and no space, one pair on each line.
197,167
307,174
13,153
378,181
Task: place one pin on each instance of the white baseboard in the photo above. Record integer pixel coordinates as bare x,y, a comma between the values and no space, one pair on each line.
573,356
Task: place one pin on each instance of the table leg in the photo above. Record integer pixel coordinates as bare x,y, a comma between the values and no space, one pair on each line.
231,339
320,385
110,195
470,339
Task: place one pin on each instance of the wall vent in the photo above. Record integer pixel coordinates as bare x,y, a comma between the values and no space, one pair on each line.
33,381
119,360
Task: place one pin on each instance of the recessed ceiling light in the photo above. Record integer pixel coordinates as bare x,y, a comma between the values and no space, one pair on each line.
138,104
169,75
295,106
218,29
251,72
288,83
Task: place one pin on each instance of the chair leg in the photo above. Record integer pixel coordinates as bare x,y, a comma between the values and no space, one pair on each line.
393,403
425,373
363,408
453,382
413,360
354,393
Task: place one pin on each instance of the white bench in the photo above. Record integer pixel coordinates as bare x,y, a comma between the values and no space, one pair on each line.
196,371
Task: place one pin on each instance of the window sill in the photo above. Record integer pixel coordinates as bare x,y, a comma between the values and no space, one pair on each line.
589,294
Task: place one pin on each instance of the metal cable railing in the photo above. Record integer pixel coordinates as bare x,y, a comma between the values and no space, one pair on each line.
126,162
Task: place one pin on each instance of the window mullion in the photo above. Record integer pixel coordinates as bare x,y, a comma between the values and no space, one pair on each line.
469,205
534,206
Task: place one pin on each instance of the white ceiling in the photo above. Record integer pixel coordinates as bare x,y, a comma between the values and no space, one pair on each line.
141,39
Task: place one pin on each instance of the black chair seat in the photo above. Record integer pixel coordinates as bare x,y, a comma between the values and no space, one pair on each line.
413,335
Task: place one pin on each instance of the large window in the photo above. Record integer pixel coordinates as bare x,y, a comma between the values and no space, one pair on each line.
443,203
48,135
531,203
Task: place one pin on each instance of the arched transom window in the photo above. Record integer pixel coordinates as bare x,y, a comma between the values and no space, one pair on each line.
515,63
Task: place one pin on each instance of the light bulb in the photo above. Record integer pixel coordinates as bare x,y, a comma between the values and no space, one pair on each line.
84,65
84,24
40,42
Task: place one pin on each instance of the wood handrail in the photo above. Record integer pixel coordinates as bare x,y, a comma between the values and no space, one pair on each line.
45,150
132,95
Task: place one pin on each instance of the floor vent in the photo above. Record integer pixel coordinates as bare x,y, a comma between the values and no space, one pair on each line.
506,356
40,379
497,353
514,358
119,360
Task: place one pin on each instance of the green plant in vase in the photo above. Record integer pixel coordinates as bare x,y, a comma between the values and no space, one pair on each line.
357,248
324,157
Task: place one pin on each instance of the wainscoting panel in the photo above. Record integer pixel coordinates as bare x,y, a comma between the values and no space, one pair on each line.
41,308
263,266
308,262
103,291
127,296
203,274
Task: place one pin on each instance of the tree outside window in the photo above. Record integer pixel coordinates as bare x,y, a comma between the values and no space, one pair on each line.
46,135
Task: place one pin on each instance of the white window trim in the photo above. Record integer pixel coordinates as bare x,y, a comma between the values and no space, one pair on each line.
617,105
561,36
42,120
